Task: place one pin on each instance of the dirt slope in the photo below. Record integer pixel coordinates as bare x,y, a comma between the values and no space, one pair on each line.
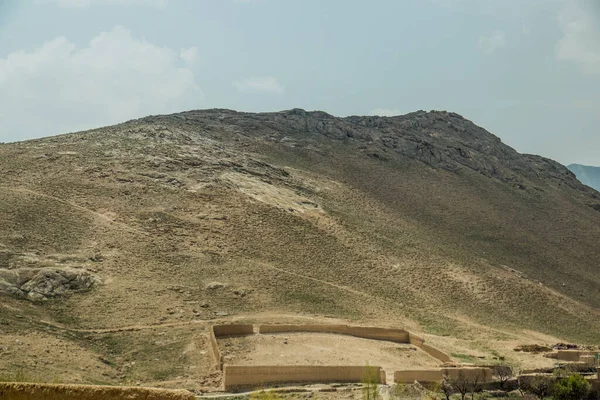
424,220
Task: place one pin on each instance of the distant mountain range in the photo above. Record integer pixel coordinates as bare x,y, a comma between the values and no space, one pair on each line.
587,175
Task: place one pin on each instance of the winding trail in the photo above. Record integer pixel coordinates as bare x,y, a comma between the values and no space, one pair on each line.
129,328
321,281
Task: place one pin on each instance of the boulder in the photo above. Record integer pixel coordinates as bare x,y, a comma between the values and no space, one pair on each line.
39,284
215,285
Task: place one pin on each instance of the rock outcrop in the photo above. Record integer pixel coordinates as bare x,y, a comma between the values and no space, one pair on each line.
39,284
439,139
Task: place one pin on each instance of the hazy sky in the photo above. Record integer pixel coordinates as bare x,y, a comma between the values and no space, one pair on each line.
526,70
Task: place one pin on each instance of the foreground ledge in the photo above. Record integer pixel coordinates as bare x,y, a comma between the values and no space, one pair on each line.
47,391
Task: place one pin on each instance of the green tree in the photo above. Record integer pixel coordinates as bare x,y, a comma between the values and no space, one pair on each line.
574,387
370,381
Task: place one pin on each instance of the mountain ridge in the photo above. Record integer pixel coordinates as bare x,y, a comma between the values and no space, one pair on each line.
587,174
359,128
424,220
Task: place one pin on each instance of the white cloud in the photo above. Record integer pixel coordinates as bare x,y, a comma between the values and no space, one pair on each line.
189,55
87,3
266,84
59,87
492,41
580,42
385,112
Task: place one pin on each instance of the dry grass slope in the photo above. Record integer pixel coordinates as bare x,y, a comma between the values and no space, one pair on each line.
423,221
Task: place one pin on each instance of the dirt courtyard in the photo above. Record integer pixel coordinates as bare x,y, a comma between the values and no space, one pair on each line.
322,349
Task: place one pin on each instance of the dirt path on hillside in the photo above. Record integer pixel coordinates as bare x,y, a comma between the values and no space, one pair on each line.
331,284
129,328
268,316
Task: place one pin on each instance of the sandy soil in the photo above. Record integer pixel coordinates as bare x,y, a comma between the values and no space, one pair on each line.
322,349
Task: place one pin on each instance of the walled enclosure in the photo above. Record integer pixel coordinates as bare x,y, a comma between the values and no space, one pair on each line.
42,391
573,355
392,335
237,376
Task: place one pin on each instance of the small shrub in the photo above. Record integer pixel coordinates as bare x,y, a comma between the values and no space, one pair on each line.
370,381
265,395
574,387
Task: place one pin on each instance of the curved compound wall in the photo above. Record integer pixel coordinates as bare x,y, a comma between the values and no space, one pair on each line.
432,351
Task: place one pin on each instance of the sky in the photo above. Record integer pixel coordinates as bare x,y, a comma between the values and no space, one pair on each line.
526,70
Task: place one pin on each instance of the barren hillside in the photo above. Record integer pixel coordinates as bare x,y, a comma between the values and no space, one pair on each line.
424,220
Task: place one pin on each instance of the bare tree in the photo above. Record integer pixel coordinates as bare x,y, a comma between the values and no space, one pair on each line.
541,386
447,387
520,386
476,384
461,384
503,372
